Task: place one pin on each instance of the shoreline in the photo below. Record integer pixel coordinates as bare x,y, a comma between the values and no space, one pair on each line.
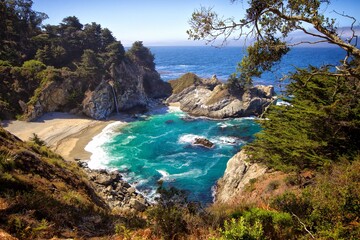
66,134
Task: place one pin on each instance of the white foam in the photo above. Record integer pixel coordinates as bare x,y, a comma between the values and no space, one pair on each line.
172,177
175,109
246,118
282,103
224,124
99,158
229,140
165,175
161,135
128,140
188,138
192,173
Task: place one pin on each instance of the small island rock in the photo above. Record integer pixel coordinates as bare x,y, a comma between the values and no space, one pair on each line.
204,142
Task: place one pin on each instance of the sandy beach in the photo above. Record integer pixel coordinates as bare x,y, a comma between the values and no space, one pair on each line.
64,133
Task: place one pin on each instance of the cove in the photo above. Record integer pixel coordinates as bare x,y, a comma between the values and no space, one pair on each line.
159,147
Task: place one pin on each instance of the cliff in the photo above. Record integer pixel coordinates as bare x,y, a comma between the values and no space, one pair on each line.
245,182
239,172
131,85
211,98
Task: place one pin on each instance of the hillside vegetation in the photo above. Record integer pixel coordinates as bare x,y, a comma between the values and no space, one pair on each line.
315,136
42,196
35,57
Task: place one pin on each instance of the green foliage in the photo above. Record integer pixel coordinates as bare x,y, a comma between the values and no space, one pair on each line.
174,217
273,185
270,23
34,66
123,231
260,57
18,25
242,230
320,124
5,63
330,208
167,217
141,55
6,161
35,138
31,55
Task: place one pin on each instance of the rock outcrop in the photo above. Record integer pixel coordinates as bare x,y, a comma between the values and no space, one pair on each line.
213,99
117,193
239,172
204,142
131,85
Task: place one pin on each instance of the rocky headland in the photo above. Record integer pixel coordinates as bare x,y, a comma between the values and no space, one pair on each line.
214,99
131,86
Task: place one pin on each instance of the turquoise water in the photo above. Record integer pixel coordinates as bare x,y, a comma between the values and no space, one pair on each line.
159,147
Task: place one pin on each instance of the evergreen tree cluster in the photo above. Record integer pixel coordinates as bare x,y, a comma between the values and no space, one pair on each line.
32,54
319,125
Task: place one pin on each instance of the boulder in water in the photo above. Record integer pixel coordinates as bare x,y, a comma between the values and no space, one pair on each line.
204,142
170,121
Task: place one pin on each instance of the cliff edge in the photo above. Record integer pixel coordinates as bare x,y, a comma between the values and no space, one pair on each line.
239,172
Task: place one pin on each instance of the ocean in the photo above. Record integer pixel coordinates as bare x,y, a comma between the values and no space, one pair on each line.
157,146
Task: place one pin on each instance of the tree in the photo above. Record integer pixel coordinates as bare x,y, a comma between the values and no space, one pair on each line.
141,55
91,68
320,123
93,37
18,25
270,23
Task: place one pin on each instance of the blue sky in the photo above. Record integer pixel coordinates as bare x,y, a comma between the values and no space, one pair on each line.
156,22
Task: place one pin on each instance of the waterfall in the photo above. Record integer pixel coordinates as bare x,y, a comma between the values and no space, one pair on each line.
115,98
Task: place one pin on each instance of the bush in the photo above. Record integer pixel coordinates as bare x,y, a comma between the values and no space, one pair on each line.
273,185
169,222
330,207
242,229
35,139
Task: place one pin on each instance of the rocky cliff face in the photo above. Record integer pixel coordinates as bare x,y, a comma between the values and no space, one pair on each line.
239,172
217,100
131,85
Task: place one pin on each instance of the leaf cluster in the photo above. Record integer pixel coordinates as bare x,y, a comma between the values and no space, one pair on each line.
267,24
319,124
33,55
329,209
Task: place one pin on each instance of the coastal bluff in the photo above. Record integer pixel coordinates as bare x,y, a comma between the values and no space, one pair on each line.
214,99
131,86
239,172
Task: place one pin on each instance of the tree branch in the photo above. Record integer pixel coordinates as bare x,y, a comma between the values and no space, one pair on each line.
312,236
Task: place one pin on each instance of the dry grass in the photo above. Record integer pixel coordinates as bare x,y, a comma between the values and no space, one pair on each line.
185,81
42,195
217,95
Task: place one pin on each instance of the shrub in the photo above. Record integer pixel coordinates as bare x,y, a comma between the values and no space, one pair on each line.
169,221
35,139
273,185
242,229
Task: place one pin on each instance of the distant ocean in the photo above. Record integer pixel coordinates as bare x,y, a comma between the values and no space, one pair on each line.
172,62
158,146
